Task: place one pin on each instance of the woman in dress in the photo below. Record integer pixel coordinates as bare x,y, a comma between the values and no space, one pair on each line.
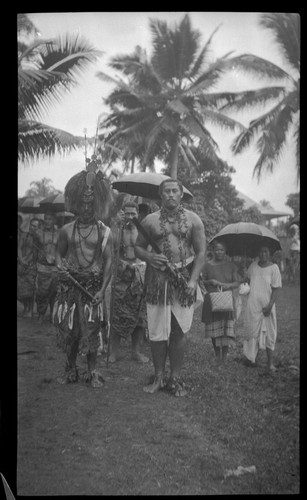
219,326
260,321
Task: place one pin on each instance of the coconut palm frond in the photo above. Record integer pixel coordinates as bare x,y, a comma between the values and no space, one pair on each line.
185,159
221,120
36,140
69,54
296,136
286,32
207,150
257,66
243,140
173,49
250,98
201,59
208,78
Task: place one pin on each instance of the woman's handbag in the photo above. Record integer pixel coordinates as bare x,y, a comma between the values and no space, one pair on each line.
221,301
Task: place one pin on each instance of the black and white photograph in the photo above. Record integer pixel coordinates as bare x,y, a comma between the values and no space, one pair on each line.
158,254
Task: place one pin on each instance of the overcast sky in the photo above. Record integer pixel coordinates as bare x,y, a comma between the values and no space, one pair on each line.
118,33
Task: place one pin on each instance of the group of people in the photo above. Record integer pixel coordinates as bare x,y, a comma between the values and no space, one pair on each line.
154,268
36,267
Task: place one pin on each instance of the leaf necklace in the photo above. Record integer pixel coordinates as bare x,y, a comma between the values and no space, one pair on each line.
180,218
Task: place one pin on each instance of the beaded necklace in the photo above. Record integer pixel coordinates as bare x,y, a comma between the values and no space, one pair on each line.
180,219
84,238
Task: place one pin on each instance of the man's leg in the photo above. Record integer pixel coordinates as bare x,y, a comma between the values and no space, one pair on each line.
159,354
92,372
115,344
271,367
176,353
177,345
70,374
136,342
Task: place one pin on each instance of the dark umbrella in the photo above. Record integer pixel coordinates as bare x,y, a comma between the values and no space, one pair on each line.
29,204
145,184
244,238
53,203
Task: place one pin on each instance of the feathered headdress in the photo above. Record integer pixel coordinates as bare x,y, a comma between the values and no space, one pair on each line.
89,185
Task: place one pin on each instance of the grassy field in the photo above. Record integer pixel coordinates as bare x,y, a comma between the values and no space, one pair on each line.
74,440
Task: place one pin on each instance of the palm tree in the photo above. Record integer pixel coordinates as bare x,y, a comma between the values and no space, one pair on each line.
46,69
42,188
274,126
162,107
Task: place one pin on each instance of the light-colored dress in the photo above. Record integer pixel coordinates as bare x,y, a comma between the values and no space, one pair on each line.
260,330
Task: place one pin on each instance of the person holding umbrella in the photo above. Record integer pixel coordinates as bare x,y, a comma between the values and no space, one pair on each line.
219,273
174,262
260,320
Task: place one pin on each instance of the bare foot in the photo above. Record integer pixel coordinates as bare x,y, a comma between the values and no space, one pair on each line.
155,386
137,356
97,380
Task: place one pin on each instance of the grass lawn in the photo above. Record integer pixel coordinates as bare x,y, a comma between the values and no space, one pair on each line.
74,440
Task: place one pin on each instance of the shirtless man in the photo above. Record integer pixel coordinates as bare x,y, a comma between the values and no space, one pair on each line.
46,266
179,234
129,314
85,251
27,256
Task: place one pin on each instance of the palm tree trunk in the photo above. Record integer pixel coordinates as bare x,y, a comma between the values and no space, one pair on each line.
132,165
174,156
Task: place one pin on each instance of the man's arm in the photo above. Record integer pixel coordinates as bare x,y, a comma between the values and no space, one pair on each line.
141,245
61,248
107,258
199,246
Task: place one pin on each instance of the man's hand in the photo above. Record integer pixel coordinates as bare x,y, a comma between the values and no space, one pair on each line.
191,288
267,310
98,297
62,269
158,260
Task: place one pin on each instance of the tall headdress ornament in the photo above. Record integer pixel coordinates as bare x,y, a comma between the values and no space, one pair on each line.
89,185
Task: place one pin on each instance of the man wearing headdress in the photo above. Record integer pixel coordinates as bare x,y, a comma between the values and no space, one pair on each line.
129,314
171,282
47,274
26,269
83,253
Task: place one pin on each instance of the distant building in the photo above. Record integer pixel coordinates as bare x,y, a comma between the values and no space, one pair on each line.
268,213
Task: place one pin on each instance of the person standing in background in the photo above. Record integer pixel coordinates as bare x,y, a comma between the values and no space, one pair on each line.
46,266
218,274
